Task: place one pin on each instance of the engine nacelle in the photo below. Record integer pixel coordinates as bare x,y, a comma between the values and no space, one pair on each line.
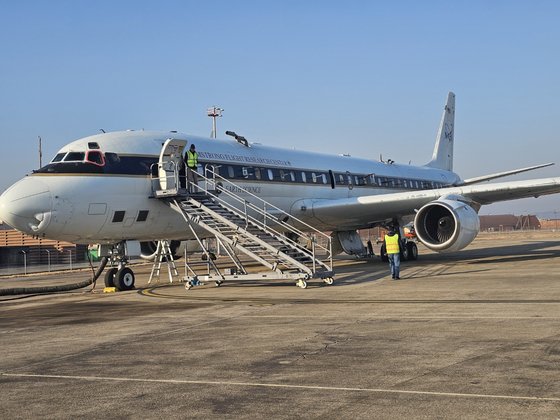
446,225
148,250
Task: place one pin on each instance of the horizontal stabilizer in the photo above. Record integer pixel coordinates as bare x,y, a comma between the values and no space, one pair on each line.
501,174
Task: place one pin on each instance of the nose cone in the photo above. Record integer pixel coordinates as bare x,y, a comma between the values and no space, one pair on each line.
27,206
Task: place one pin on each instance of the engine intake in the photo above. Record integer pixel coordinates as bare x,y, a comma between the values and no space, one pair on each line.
446,225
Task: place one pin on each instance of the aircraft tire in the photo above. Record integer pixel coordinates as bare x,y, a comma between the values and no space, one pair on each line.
405,256
110,277
383,253
412,251
124,279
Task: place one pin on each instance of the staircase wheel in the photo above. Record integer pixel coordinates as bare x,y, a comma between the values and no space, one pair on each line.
301,283
329,280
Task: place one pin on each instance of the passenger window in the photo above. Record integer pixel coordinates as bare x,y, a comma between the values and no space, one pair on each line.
292,176
303,177
270,175
258,173
231,172
74,157
314,177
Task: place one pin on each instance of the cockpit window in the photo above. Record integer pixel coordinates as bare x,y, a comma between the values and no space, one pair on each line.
74,157
95,157
112,157
58,157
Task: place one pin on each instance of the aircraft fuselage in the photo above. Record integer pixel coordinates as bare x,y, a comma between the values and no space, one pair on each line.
100,189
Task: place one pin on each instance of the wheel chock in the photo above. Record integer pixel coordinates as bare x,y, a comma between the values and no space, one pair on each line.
109,289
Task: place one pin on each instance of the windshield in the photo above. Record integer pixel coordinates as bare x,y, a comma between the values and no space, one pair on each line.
58,157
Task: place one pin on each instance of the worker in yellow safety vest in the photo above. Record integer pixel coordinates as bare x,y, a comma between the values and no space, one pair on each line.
191,159
393,248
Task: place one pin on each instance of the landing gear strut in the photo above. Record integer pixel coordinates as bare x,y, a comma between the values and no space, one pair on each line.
121,276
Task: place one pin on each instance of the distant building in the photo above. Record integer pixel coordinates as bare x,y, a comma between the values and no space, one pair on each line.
508,222
550,224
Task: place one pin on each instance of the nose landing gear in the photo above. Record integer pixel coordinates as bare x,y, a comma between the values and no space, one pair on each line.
120,277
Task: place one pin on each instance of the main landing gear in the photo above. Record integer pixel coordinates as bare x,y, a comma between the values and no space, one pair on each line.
409,252
120,277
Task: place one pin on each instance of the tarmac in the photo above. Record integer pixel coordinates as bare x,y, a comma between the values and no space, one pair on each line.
473,334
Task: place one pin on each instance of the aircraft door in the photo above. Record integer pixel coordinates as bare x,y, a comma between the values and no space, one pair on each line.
350,181
331,178
170,162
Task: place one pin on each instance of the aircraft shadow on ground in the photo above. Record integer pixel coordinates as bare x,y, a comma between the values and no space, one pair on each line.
371,270
511,253
530,251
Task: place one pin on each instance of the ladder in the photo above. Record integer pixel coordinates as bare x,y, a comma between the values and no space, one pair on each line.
255,228
163,253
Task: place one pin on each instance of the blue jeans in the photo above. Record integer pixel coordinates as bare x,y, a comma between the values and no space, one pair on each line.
395,264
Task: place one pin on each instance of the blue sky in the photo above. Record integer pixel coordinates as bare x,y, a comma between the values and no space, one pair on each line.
359,77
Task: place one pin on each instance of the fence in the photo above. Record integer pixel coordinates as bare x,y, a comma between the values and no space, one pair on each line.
24,260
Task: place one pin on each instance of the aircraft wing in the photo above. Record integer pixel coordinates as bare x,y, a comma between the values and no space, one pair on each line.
350,212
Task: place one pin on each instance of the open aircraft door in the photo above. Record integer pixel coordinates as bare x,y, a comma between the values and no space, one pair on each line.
170,163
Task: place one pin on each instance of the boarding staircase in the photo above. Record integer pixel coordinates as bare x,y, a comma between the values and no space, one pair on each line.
244,223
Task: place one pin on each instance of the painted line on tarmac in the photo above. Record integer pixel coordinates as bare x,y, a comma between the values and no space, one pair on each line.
398,316
285,386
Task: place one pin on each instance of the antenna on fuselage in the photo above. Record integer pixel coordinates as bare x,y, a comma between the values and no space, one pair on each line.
214,112
240,139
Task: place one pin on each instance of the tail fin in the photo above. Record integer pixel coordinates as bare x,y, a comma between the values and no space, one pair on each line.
442,157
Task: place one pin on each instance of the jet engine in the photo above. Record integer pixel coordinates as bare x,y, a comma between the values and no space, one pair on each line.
447,225
148,250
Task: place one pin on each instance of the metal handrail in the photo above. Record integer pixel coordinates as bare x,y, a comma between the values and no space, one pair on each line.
248,205
266,215
266,203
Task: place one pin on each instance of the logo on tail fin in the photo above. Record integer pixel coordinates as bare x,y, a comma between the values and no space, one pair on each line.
442,157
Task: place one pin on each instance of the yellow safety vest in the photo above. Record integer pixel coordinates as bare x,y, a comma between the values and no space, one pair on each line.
192,159
392,244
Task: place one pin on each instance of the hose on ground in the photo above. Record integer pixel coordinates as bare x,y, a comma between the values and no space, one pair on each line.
55,289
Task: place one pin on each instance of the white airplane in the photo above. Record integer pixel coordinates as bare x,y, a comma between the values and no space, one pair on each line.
99,189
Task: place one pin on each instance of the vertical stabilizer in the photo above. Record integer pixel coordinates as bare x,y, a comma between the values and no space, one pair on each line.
443,150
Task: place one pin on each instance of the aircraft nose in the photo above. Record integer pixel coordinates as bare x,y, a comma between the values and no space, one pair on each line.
27,206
